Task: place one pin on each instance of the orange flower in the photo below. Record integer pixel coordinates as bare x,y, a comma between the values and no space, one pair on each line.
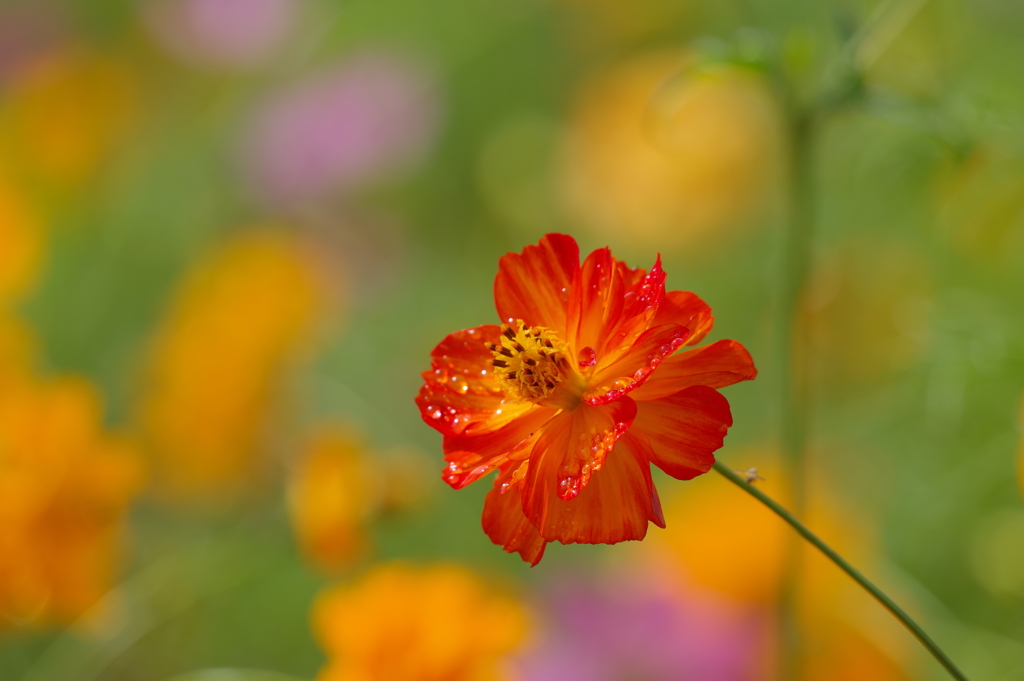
23,237
576,393
18,347
331,497
236,324
417,624
66,113
675,152
65,485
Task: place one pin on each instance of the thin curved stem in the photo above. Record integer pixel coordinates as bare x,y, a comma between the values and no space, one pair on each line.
868,585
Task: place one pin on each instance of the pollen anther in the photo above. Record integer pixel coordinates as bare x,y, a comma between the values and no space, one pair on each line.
531,362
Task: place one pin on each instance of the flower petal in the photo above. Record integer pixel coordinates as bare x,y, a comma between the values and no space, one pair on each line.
717,365
460,392
534,285
686,309
635,367
685,429
568,453
507,525
596,301
472,456
616,506
631,275
644,294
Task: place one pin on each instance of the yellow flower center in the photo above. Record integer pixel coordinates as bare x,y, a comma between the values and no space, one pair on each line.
533,363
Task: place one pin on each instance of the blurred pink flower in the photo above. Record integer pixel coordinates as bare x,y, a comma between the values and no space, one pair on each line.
368,117
222,33
28,29
613,630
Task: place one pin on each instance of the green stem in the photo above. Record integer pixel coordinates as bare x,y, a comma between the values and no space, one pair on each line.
868,585
791,348
791,344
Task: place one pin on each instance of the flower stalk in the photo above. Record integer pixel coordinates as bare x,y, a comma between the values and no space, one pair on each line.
790,335
869,586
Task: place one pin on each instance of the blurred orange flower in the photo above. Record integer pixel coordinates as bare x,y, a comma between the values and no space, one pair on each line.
576,394
236,322
615,22
17,347
401,623
23,239
980,202
63,113
867,313
668,151
331,494
65,485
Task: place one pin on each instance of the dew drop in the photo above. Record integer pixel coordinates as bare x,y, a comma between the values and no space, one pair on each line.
568,488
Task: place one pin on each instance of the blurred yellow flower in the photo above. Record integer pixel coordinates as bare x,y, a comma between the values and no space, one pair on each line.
331,494
235,324
65,485
17,348
62,114
735,547
407,476
22,241
614,22
980,203
867,312
836,651
402,623
669,151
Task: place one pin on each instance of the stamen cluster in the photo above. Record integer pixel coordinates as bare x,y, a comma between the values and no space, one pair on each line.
529,361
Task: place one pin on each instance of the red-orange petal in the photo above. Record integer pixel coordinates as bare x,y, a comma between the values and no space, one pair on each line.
686,309
616,506
460,393
569,451
534,285
717,365
596,301
685,429
612,382
631,275
507,525
645,292
472,456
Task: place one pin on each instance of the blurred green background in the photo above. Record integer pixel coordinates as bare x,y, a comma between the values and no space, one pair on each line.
231,232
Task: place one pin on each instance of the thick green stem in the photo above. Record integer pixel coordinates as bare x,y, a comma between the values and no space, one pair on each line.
868,585
790,347
790,341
